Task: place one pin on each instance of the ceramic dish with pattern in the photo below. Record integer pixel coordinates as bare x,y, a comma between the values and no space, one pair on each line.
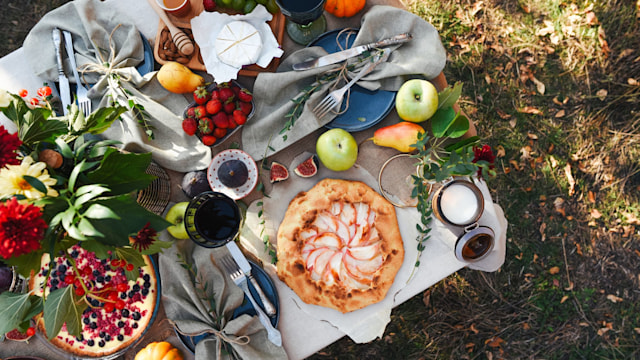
233,172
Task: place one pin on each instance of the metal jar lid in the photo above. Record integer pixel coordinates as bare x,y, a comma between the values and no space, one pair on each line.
475,244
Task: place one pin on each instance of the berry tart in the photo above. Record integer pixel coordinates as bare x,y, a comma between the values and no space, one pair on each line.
339,245
118,310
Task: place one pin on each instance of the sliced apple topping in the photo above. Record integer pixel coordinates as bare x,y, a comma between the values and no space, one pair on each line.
343,246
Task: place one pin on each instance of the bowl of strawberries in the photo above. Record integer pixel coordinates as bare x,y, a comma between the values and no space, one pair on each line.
217,111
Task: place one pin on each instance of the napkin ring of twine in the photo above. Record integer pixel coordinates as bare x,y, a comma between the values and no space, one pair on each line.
241,340
106,67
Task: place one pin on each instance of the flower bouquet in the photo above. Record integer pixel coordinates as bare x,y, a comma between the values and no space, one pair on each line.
59,190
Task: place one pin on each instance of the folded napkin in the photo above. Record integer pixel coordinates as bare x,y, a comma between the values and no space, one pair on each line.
424,56
106,54
200,298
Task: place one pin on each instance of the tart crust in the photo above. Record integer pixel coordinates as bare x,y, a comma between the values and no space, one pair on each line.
295,266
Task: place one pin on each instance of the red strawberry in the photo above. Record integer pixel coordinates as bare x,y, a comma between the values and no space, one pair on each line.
213,106
245,107
219,132
245,95
220,120
229,106
209,5
209,140
239,117
200,111
205,125
215,94
232,123
190,126
226,94
201,95
236,89
191,112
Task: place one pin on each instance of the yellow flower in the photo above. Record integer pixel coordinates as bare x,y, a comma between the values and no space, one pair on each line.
12,180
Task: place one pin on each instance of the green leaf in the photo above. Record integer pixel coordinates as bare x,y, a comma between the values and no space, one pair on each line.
87,229
61,308
101,250
14,309
462,143
156,247
101,119
35,183
99,211
131,255
93,189
123,172
64,148
459,127
448,96
441,121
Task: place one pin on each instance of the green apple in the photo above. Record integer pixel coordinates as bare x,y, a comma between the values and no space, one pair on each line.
175,215
416,100
337,149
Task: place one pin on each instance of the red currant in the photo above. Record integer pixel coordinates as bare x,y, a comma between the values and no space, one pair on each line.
23,93
119,305
69,279
87,271
113,296
109,307
44,91
34,101
79,291
115,262
129,267
31,331
122,287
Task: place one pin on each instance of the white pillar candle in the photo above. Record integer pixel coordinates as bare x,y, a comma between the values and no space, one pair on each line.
459,204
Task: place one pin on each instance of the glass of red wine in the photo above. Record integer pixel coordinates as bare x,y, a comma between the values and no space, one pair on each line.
212,219
305,19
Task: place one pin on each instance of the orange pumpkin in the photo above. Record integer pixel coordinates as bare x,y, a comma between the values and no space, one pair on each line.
344,8
159,351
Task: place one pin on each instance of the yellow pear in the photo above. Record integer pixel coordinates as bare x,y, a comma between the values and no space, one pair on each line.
178,78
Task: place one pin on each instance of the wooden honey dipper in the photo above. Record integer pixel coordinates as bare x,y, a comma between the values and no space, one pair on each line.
182,41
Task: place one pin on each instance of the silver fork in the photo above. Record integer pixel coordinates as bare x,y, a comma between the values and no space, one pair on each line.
84,103
335,97
238,277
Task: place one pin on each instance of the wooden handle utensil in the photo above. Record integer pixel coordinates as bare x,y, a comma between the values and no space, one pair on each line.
182,41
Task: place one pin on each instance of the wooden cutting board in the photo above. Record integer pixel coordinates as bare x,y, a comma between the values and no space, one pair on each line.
195,61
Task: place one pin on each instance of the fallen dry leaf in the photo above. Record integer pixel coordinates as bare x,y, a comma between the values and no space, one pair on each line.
539,84
603,331
526,326
500,151
631,218
625,53
473,328
591,18
554,270
503,115
554,162
591,196
532,136
560,114
542,228
558,205
530,110
614,299
564,298
570,179
578,249
494,342
602,94
595,214
513,123
570,287
548,28
632,82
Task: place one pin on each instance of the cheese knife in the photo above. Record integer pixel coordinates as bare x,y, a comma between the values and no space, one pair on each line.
244,265
349,53
65,92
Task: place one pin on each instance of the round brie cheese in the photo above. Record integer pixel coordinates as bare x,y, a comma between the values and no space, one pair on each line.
238,44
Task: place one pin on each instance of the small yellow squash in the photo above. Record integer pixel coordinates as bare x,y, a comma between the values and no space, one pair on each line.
161,350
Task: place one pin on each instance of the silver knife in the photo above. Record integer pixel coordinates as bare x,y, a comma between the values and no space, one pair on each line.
65,92
349,53
244,265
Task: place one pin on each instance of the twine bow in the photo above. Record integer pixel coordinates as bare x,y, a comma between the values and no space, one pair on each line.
240,340
106,68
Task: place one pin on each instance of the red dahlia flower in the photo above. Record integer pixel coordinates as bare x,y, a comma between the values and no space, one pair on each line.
483,153
9,143
144,238
21,228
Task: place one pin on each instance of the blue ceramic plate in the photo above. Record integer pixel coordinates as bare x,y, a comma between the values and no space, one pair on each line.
366,108
246,308
146,66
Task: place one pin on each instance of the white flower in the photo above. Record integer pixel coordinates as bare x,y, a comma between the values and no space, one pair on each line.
5,98
12,180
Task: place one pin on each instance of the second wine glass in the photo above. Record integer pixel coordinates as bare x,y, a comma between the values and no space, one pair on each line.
305,19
